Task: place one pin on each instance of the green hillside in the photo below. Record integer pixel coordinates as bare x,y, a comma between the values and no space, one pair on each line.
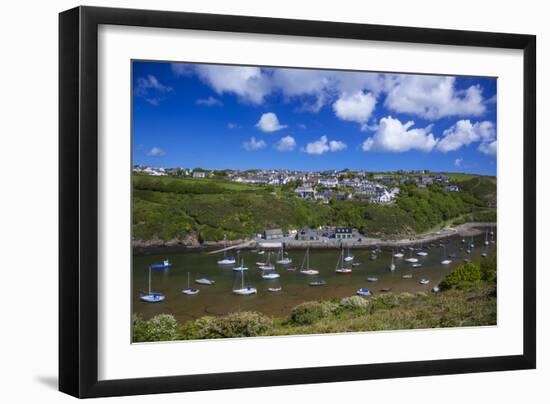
166,208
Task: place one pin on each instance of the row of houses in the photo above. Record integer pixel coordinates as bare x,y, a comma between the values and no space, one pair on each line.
308,234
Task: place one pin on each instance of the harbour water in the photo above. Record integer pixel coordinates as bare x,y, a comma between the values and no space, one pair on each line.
218,299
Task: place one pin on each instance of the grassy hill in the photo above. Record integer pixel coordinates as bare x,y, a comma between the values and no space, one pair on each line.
166,208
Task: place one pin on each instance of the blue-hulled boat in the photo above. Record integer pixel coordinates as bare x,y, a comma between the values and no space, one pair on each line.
364,292
151,297
165,264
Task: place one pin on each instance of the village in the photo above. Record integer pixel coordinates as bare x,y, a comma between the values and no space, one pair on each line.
319,186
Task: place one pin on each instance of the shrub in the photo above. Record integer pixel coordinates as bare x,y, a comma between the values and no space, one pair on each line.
387,301
461,277
488,269
353,303
310,312
244,324
162,327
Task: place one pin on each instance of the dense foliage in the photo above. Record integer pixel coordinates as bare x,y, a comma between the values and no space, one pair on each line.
473,306
163,327
166,208
465,276
243,324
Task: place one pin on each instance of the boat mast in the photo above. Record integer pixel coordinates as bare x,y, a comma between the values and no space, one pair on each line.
149,279
307,259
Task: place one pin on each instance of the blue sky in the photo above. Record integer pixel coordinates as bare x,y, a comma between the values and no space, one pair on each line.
241,117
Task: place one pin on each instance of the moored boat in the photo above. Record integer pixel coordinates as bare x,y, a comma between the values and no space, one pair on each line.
364,292
163,265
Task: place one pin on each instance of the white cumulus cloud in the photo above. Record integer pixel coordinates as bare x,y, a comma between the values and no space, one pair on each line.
434,97
269,123
356,107
323,145
156,152
458,162
394,136
489,148
286,143
463,133
253,144
249,83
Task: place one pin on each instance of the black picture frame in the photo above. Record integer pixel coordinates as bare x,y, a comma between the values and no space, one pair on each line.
78,200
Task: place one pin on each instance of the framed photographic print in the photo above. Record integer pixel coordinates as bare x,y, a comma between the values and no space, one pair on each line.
251,201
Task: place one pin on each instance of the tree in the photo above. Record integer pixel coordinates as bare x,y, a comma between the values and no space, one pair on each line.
461,277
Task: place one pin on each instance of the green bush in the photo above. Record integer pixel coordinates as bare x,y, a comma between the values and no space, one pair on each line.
385,301
162,327
461,277
353,303
488,269
244,324
310,312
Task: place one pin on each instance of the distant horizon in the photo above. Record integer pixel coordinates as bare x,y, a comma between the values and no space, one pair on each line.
311,120
317,170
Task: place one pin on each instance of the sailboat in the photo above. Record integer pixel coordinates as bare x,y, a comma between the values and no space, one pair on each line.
424,281
445,261
364,292
340,266
241,267
349,257
189,290
270,275
392,265
267,266
243,291
306,270
411,259
282,259
486,238
472,245
205,281
165,264
152,297
421,253
398,254
484,254
227,259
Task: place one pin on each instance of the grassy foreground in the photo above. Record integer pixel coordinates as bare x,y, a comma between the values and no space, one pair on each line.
474,305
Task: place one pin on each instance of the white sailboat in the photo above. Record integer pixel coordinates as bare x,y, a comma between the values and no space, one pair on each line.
445,260
267,266
283,260
472,245
392,265
349,257
398,255
340,266
241,267
486,238
205,281
151,297
189,290
227,259
411,259
270,275
421,253
243,291
305,269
